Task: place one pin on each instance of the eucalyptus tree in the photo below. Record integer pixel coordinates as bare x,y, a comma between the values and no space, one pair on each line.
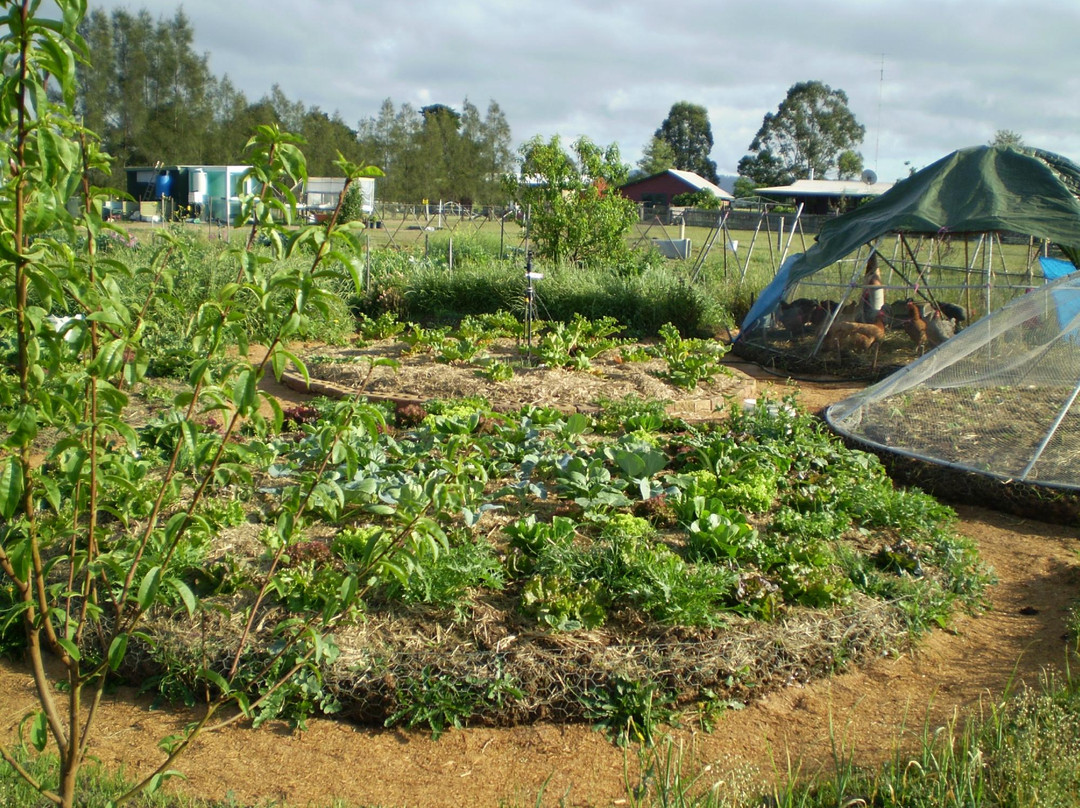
804,138
658,156
497,152
328,138
441,149
146,91
391,140
687,130
439,153
226,130
376,136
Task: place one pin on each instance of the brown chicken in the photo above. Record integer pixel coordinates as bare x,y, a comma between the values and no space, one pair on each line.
859,337
915,326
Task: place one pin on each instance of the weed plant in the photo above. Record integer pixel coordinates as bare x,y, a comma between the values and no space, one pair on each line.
469,249
97,788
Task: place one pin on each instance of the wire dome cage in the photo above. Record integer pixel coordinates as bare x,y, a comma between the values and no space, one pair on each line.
998,402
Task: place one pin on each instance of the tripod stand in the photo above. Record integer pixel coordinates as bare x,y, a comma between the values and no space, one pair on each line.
530,302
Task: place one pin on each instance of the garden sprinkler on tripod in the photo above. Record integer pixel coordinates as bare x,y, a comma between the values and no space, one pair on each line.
530,301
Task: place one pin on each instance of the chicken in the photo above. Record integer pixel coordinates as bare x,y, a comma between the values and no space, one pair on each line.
939,328
859,337
821,312
834,316
915,326
953,312
796,315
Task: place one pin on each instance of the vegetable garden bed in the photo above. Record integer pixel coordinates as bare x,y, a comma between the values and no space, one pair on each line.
622,569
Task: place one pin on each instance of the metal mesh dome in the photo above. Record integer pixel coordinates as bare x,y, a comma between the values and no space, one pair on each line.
998,399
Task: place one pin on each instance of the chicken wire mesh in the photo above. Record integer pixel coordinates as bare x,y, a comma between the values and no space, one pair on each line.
997,399
952,280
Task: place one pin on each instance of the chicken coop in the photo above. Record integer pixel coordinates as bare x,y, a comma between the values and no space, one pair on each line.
916,266
991,415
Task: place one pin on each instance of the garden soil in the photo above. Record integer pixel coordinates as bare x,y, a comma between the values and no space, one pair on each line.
868,710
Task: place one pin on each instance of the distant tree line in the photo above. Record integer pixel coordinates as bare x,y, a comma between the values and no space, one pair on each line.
152,98
437,153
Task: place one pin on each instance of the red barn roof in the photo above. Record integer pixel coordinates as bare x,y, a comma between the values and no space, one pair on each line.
661,188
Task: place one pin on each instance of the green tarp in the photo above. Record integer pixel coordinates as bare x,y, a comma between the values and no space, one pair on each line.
974,190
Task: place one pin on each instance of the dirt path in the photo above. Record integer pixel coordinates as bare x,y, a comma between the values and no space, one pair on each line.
1023,634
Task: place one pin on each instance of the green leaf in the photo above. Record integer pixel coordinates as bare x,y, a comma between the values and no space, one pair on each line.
39,731
577,424
155,782
23,427
190,432
215,679
277,363
173,526
117,650
186,595
379,509
348,590
169,743
109,360
285,526
244,703
148,589
70,647
244,390
12,486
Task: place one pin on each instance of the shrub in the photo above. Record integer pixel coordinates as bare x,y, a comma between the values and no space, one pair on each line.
352,206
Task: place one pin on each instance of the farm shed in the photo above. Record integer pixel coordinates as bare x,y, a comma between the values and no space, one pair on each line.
320,194
964,234
190,191
821,197
660,189
990,413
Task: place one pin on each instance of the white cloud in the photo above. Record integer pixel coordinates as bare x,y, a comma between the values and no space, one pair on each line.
954,72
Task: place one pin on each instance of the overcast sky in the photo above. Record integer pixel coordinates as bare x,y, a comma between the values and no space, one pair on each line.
925,77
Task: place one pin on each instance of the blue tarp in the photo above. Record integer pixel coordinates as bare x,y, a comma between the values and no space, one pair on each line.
1054,268
1067,301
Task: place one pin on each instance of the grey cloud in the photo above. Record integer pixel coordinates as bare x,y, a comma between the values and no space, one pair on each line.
954,71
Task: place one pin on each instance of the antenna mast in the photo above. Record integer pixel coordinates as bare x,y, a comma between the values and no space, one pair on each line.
877,133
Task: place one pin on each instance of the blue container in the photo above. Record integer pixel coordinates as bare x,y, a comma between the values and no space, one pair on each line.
162,185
